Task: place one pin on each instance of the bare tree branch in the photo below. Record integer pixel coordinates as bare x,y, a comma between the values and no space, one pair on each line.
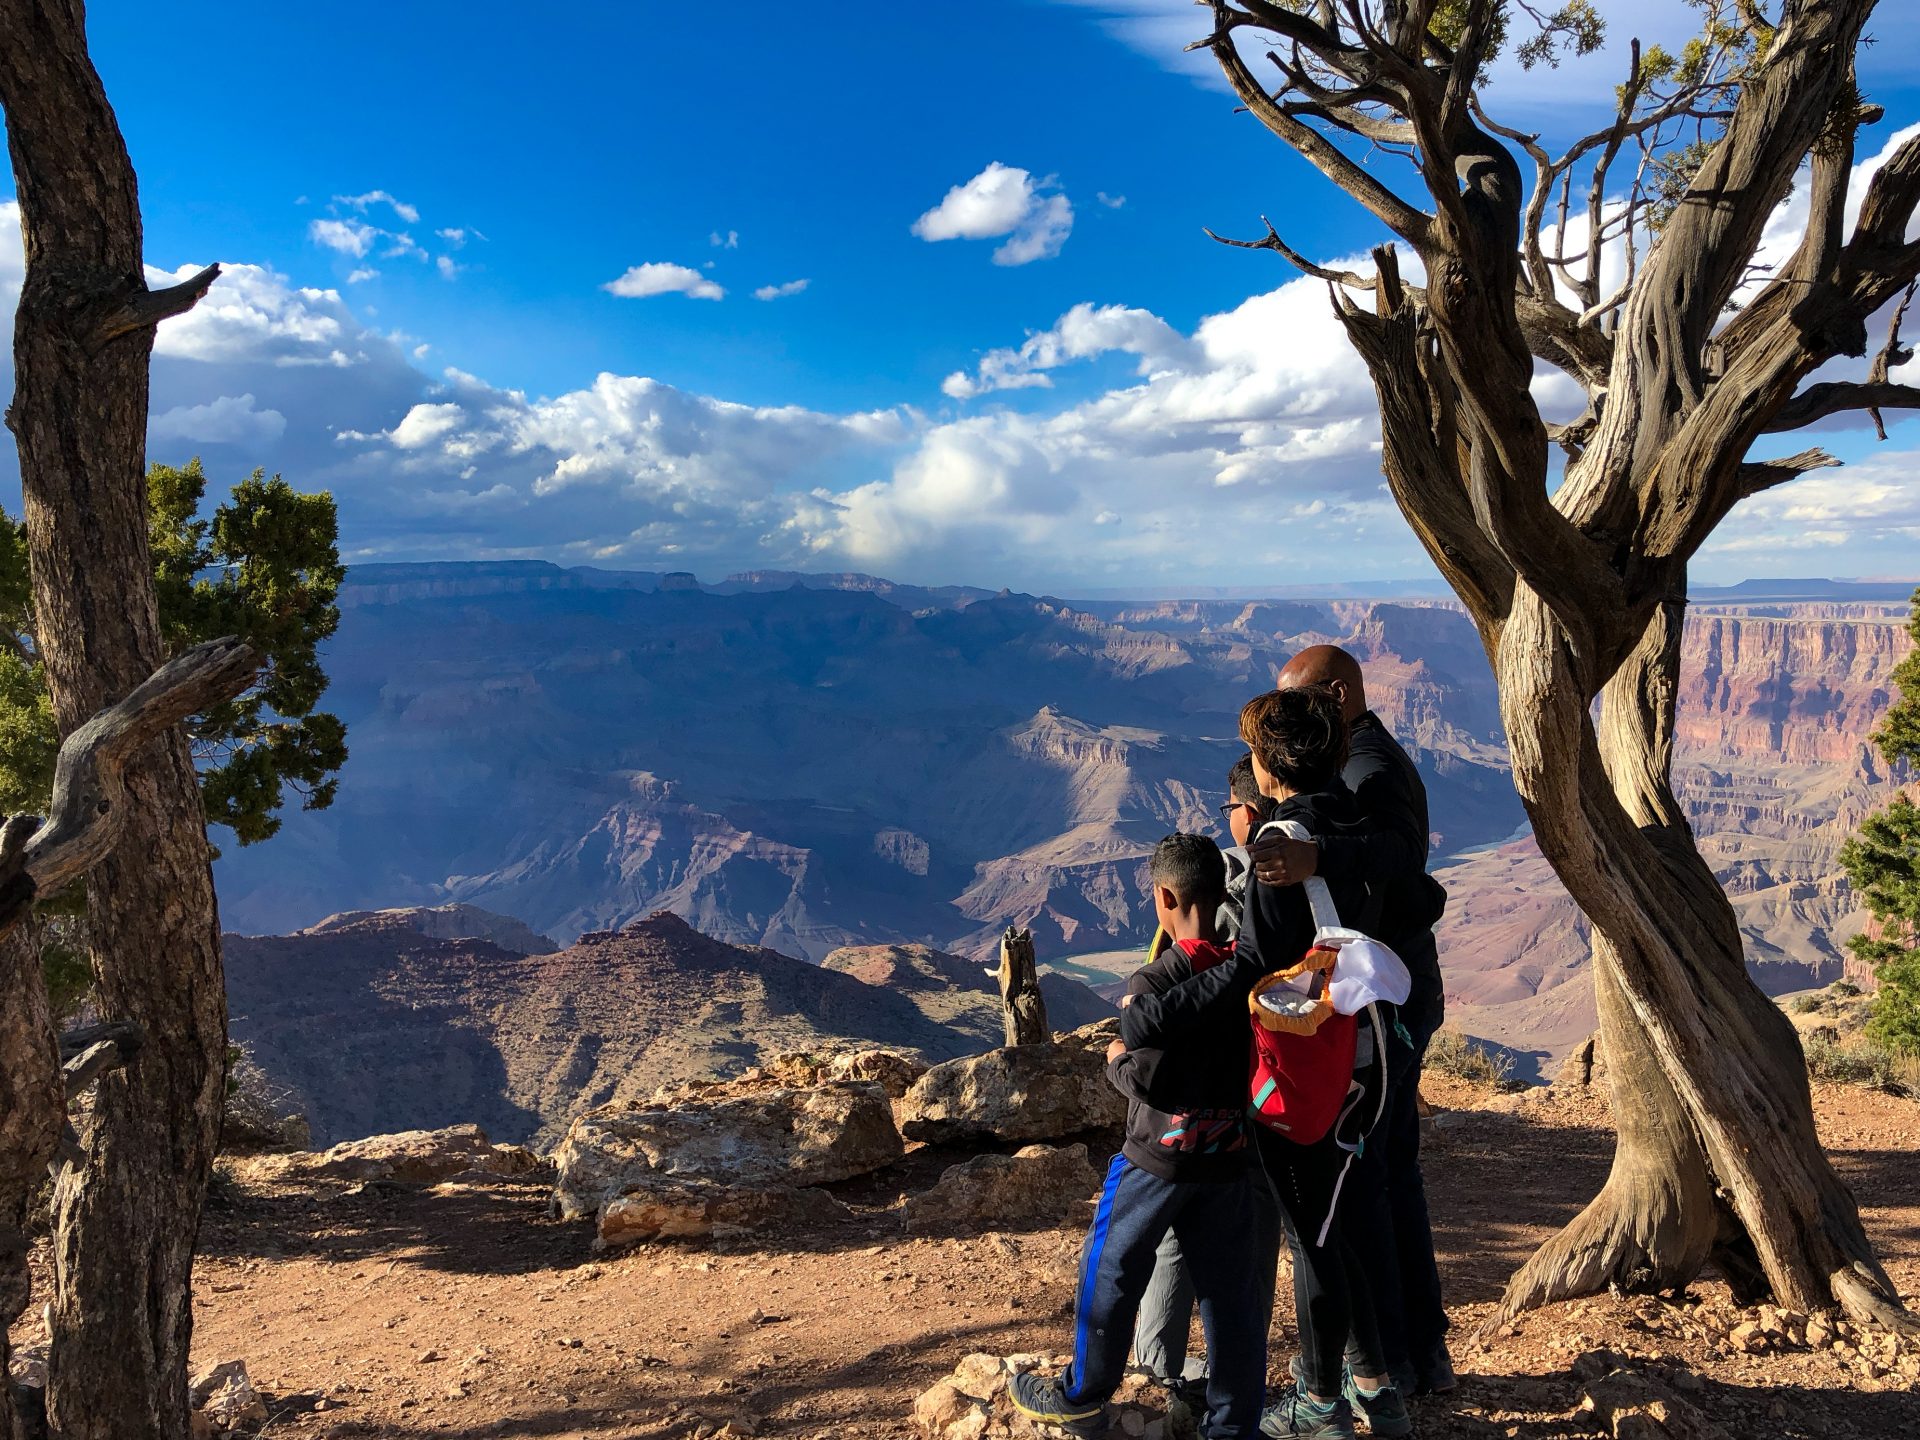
87,789
1831,397
148,308
1273,242
1757,475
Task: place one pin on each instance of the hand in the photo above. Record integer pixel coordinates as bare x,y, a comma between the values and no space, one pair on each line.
1279,860
1126,1000
1115,1049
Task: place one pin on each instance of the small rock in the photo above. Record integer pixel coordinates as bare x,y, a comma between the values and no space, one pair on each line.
428,1357
981,1376
939,1407
1747,1336
224,1399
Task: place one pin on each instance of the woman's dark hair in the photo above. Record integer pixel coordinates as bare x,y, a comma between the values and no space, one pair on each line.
1298,735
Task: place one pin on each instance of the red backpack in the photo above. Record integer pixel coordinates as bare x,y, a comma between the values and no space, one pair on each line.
1303,1061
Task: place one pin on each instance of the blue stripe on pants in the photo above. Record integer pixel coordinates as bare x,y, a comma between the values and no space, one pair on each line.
1090,1262
1221,1233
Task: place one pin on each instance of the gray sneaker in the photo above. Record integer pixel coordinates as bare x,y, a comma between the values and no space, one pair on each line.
1041,1399
1299,1416
1383,1410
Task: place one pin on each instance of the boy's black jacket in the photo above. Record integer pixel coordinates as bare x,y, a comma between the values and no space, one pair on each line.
1186,1106
1276,930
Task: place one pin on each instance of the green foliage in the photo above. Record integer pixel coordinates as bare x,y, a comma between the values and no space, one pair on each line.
1854,1064
1883,864
1899,734
265,565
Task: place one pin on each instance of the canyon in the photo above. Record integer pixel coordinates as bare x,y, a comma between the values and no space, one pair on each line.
801,764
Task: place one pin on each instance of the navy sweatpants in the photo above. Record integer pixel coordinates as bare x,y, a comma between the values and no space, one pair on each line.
1220,1228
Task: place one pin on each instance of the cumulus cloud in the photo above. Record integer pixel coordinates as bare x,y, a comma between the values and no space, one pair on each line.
775,292
661,278
1002,200
1112,202
349,237
728,241
407,213
227,420
447,267
363,274
1082,333
455,237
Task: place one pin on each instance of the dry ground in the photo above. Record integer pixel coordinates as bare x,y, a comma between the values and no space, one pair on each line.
463,1311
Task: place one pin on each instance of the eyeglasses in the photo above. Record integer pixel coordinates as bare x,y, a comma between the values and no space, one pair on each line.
1226,810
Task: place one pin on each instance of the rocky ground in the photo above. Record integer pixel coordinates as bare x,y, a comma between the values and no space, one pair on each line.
456,1307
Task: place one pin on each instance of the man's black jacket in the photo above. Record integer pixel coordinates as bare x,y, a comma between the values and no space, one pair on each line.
1389,853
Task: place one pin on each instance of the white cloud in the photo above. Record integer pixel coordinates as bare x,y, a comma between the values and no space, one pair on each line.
1112,202
455,237
1082,333
364,273
349,237
228,420
728,241
447,267
424,424
775,292
407,213
1002,200
661,278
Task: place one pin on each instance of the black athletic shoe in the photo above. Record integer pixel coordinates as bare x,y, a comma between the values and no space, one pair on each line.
1040,1398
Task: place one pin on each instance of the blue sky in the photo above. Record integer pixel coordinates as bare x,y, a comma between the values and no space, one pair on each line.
492,280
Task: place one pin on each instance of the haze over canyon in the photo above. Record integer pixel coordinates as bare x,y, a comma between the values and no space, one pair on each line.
799,764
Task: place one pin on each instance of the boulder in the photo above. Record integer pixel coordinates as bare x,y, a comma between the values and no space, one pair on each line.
776,1138
895,1073
223,1400
1021,1092
663,1207
1040,1184
411,1155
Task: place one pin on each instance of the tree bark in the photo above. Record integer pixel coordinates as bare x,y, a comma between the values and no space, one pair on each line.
1717,1156
128,1218
1025,1011
31,1104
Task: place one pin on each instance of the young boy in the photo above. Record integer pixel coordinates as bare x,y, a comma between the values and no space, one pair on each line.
1166,1309
1182,1170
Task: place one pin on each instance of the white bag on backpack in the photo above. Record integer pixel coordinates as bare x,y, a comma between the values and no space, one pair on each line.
1366,970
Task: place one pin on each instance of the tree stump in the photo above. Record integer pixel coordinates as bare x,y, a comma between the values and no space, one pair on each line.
1026,1011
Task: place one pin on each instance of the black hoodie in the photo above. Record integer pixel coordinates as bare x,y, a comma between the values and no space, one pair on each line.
1276,931
1186,1107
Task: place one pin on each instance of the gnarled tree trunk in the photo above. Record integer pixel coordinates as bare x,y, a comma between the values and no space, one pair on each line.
127,1219
1578,591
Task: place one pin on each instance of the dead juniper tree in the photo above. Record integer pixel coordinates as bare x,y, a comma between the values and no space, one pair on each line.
127,1218
1617,261
90,806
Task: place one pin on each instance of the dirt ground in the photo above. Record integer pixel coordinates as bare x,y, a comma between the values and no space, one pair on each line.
457,1310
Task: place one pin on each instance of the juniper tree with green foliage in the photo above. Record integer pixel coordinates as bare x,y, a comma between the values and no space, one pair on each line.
1883,864
264,566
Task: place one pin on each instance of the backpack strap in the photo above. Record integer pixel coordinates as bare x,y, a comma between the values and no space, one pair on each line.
1326,915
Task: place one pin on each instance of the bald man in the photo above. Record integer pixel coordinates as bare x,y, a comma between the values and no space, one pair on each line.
1390,856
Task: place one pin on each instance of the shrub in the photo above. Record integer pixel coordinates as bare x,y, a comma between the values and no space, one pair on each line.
1451,1052
1858,1062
